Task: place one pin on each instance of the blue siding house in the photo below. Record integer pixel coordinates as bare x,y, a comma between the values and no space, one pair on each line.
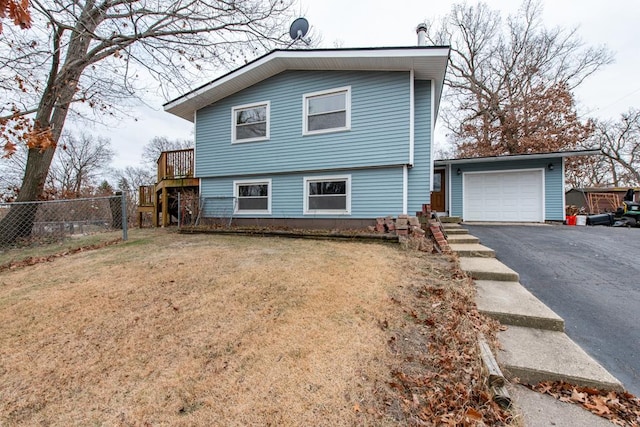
319,137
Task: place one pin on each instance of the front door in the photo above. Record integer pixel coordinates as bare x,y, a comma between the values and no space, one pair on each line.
438,193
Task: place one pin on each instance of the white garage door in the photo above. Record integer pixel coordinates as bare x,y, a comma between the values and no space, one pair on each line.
504,196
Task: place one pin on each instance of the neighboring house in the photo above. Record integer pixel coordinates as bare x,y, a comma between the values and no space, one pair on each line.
319,137
514,188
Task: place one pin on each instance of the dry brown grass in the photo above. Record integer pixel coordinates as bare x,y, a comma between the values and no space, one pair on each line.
207,330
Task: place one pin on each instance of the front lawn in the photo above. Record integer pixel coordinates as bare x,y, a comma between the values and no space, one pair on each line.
170,329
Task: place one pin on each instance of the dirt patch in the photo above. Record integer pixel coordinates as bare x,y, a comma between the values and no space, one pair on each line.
229,330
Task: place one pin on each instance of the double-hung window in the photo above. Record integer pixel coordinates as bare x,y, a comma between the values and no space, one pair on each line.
250,122
327,111
252,197
327,195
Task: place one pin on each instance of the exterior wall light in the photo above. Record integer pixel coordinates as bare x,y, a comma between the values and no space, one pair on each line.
458,172
550,166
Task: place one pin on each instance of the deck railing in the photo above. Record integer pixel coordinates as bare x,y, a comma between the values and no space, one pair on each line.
175,164
146,193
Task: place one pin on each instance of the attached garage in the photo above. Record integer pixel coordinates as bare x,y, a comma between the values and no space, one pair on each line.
515,188
510,196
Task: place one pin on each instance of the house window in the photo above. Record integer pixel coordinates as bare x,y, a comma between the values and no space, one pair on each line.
250,122
253,196
327,111
327,195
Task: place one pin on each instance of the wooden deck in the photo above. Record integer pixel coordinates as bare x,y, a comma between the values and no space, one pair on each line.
175,174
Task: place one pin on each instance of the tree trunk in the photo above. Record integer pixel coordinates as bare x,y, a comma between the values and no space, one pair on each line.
18,223
35,174
51,116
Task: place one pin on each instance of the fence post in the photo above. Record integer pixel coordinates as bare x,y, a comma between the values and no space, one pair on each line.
125,219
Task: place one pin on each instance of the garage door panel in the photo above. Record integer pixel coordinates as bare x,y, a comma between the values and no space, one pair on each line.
514,196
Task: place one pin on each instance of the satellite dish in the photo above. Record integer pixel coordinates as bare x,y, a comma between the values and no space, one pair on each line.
299,29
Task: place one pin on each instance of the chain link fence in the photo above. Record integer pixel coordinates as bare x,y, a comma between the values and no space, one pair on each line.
35,223
216,211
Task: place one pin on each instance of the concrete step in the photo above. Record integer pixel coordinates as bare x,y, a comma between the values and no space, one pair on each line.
512,304
488,269
450,219
472,250
542,410
452,231
451,225
535,355
461,238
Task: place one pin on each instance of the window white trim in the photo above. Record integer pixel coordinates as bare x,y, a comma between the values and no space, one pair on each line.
305,110
308,179
238,183
234,139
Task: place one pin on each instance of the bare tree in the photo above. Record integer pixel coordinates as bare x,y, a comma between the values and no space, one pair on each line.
90,55
77,166
620,143
509,83
588,171
151,151
130,179
74,169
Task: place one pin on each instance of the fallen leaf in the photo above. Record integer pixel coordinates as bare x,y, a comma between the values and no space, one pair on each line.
473,415
578,397
416,401
599,406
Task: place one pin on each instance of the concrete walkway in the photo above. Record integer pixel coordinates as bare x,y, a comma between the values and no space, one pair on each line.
534,345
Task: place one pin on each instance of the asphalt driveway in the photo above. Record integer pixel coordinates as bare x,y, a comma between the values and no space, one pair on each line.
588,275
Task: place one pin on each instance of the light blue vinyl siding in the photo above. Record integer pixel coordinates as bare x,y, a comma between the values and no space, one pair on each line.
374,193
553,183
379,134
420,174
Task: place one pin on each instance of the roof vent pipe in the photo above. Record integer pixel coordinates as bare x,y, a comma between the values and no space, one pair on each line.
422,34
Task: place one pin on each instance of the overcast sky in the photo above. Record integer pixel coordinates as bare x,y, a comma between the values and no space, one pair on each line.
352,23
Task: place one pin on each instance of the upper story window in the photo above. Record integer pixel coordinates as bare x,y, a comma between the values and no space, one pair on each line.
327,111
250,122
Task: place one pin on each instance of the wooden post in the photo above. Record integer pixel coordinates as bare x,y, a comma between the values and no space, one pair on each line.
154,219
165,207
496,379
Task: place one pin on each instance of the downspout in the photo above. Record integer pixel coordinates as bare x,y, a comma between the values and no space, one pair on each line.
412,114
564,194
405,189
195,128
447,205
195,154
431,137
